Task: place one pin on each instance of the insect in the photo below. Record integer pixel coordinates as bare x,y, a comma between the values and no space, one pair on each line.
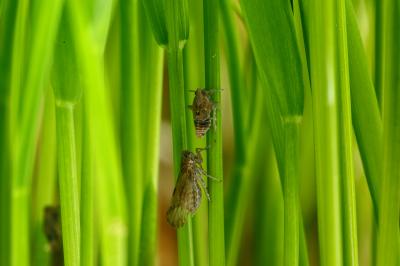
52,227
186,197
202,108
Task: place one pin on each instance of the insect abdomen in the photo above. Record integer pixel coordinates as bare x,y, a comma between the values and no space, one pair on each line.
202,126
177,216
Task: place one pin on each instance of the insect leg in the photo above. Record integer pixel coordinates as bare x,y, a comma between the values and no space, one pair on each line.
212,91
203,172
203,184
199,150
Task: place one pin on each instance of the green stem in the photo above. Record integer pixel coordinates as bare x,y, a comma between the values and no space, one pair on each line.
303,252
388,231
364,105
235,80
19,239
269,225
7,21
130,122
250,173
365,109
151,73
68,179
179,137
324,88
46,181
233,225
194,78
291,190
379,36
109,193
87,201
176,21
24,114
214,138
350,246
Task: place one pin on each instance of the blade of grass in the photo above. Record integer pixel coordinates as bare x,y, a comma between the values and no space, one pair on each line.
7,20
194,78
171,18
388,244
67,91
256,144
269,223
364,106
109,192
18,211
233,224
269,41
306,126
151,67
87,200
324,87
178,30
44,188
291,191
281,74
68,179
214,137
350,245
131,137
100,13
24,111
379,36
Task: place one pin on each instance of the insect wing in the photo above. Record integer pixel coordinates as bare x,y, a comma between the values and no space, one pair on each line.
185,199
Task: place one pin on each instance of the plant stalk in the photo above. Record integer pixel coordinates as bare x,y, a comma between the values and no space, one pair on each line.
214,139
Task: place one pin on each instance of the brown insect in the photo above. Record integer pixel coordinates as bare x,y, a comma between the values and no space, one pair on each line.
52,227
202,108
186,197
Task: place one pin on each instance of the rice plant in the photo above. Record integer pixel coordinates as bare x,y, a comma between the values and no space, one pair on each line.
109,155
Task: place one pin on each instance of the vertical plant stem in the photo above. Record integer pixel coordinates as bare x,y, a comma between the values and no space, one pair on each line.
109,193
68,179
269,222
324,87
130,122
172,17
233,223
379,37
388,231
46,180
24,113
4,186
350,245
178,117
177,23
256,143
214,138
18,237
291,190
67,91
151,74
87,201
194,78
303,252
7,21
364,105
